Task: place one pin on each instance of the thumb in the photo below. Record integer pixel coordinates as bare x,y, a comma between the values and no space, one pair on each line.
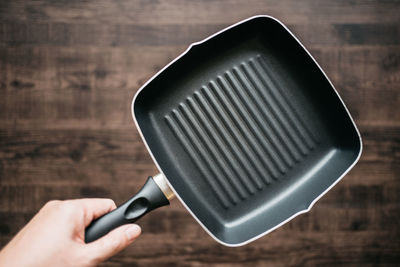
113,242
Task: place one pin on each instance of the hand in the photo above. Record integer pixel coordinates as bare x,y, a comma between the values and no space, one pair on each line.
55,236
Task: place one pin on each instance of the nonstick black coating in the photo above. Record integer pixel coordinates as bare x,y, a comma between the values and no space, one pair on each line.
247,129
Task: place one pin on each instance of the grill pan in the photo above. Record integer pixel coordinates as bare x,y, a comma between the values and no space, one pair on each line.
245,129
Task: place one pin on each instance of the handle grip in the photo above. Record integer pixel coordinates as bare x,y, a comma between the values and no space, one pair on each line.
147,199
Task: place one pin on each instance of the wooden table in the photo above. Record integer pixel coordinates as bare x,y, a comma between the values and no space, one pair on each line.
69,69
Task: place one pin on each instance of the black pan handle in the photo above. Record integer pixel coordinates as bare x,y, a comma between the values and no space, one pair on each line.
147,199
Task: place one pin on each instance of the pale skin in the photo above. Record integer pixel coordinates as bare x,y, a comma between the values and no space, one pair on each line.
55,236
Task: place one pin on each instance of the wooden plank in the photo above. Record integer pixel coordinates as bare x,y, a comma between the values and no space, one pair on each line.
183,12
70,157
86,156
120,35
96,85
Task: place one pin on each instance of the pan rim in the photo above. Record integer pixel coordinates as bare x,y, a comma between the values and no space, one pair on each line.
166,178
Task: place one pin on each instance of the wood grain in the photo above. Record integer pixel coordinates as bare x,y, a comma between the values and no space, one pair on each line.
68,71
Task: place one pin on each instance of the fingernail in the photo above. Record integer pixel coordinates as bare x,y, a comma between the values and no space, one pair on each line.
133,231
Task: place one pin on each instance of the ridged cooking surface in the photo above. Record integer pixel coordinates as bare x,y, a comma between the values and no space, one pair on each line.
241,131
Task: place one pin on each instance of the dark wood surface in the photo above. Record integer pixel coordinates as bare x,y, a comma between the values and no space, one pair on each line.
68,71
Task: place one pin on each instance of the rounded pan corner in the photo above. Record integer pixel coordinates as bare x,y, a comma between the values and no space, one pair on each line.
133,104
198,44
304,208
190,48
261,18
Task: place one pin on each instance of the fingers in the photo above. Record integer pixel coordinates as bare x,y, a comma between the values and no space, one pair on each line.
95,207
113,242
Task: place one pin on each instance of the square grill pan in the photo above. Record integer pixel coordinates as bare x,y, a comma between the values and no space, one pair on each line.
247,129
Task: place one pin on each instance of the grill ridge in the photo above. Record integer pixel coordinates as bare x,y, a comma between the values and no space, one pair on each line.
307,134
224,184
266,144
246,133
247,110
240,139
279,115
241,131
217,156
264,112
243,99
221,196
231,141
221,145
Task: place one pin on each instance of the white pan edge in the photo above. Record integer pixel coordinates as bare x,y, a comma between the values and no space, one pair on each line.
172,188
